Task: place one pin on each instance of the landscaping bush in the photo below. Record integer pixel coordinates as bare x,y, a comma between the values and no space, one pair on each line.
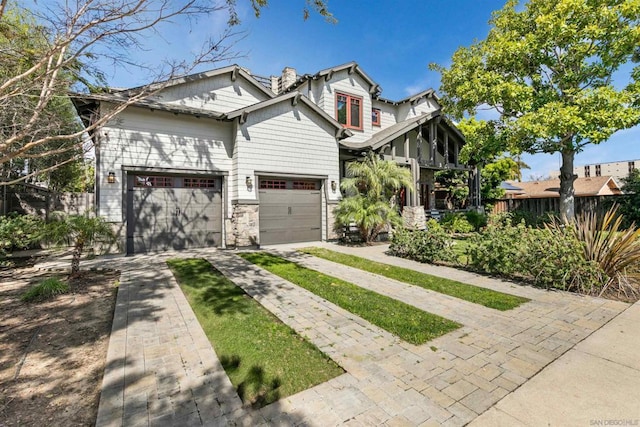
477,219
431,245
544,257
19,232
532,219
605,242
456,223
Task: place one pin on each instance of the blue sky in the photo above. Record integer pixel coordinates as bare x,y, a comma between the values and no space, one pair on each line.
393,41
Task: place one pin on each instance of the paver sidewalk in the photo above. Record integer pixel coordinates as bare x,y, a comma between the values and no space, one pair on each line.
162,370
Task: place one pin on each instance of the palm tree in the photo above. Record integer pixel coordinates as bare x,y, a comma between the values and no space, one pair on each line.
370,186
77,231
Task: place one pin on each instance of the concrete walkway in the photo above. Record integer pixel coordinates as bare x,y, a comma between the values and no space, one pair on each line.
540,363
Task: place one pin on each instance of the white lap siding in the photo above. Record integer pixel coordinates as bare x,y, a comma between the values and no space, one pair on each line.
217,93
143,138
287,140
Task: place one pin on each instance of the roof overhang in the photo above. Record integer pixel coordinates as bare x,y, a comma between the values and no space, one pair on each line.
392,132
235,72
86,102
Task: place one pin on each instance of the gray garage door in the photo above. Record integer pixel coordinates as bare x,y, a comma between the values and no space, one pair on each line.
290,211
173,212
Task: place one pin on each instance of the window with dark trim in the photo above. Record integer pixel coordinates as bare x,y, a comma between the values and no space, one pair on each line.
276,184
199,183
375,116
598,170
587,171
304,185
349,110
632,166
153,181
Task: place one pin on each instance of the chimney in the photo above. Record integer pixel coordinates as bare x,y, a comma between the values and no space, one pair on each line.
289,77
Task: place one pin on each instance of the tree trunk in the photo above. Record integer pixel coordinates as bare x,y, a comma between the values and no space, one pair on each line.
567,177
75,260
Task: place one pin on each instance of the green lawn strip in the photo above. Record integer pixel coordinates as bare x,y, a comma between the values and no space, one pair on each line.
406,321
487,297
264,358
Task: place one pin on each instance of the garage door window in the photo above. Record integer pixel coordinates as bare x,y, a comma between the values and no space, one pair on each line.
304,185
199,183
266,184
153,181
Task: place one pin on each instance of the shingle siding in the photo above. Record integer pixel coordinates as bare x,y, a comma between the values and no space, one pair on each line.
162,140
217,93
282,139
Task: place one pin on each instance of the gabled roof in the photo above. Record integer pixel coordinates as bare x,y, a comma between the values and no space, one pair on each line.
235,71
374,88
593,186
295,98
327,74
82,101
392,132
413,99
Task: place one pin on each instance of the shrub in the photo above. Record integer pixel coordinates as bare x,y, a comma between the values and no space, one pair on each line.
532,219
604,241
456,223
46,289
19,232
544,257
431,245
477,219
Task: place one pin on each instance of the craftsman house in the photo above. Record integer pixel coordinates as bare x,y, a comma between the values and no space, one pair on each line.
225,158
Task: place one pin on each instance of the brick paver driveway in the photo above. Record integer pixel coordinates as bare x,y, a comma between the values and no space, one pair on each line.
177,379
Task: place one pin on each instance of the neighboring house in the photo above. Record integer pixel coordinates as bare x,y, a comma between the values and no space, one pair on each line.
224,158
540,197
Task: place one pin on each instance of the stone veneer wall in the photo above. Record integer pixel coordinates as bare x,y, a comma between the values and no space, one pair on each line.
414,217
331,221
242,229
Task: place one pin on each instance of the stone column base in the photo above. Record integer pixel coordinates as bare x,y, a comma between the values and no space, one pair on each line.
414,218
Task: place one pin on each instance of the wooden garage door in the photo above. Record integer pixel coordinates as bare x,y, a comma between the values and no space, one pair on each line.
173,212
290,211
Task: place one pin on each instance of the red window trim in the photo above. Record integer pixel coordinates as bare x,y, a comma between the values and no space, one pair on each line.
377,122
349,98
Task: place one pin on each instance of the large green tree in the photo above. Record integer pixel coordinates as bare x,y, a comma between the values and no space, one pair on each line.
559,74
47,48
493,174
368,191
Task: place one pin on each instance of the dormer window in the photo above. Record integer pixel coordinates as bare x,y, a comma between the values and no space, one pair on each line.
349,110
375,116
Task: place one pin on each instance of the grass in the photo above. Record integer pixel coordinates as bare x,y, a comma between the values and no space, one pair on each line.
403,320
46,289
264,358
487,297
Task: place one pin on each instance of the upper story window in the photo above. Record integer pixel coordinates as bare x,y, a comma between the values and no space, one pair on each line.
375,116
587,171
598,170
632,166
349,110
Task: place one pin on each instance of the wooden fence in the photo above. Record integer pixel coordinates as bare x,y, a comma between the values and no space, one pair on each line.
539,207
34,200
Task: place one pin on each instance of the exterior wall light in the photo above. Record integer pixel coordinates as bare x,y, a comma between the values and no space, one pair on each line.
111,178
334,186
249,183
